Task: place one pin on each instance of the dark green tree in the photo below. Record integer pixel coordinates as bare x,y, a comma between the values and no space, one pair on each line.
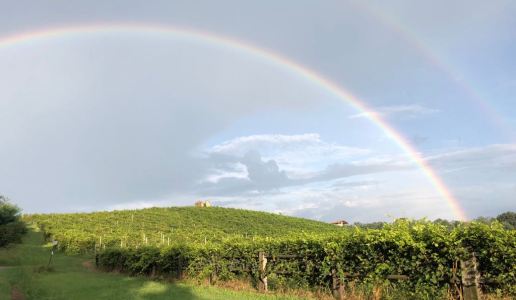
508,219
8,212
11,227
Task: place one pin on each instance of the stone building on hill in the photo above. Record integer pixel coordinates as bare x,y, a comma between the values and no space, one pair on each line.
340,223
202,203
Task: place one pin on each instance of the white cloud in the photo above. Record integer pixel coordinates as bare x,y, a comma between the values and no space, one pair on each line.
407,111
289,161
379,187
241,145
296,154
327,202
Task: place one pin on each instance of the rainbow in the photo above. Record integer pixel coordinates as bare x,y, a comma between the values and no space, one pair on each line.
497,119
263,54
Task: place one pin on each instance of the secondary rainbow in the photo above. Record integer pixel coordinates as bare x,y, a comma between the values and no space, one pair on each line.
266,55
417,43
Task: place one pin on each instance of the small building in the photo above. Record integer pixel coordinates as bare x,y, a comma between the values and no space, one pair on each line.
340,223
201,203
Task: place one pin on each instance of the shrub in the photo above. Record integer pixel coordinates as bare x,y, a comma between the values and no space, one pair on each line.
11,228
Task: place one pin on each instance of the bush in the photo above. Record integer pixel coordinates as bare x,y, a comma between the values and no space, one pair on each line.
8,212
11,228
11,233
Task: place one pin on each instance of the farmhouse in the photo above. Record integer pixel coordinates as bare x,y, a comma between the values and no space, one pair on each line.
340,223
201,203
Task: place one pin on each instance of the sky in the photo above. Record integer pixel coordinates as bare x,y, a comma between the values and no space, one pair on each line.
128,116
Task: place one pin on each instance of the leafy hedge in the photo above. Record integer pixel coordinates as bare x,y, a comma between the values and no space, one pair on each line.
424,251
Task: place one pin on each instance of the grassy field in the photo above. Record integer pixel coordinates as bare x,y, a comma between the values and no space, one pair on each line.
70,279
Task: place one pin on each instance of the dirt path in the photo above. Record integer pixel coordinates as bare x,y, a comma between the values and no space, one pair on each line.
88,264
16,294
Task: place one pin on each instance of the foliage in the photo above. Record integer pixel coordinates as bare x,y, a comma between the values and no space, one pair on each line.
11,228
298,257
373,225
508,219
495,248
71,280
162,227
8,212
447,223
11,232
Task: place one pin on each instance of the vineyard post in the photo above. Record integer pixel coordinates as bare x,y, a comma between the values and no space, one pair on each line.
262,265
179,267
337,285
54,247
470,278
213,274
153,272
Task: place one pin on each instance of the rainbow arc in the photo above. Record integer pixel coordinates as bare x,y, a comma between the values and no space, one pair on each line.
260,53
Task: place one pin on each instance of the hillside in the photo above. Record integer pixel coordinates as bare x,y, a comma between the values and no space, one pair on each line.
172,225
229,244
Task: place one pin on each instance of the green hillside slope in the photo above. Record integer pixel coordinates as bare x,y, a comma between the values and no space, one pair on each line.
173,225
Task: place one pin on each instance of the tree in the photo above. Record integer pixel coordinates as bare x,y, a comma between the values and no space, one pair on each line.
448,224
485,220
11,227
508,219
8,212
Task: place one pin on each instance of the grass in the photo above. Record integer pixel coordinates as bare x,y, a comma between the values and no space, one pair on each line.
69,279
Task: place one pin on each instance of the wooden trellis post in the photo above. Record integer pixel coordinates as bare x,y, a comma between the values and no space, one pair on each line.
213,275
179,268
470,278
262,265
337,285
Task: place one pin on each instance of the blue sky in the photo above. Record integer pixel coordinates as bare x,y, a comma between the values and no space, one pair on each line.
117,120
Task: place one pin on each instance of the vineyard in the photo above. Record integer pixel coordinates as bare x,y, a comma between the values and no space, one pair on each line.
160,227
414,259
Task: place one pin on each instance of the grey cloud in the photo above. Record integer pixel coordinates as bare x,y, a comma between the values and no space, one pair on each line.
491,155
466,171
479,175
266,176
262,176
335,171
106,119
